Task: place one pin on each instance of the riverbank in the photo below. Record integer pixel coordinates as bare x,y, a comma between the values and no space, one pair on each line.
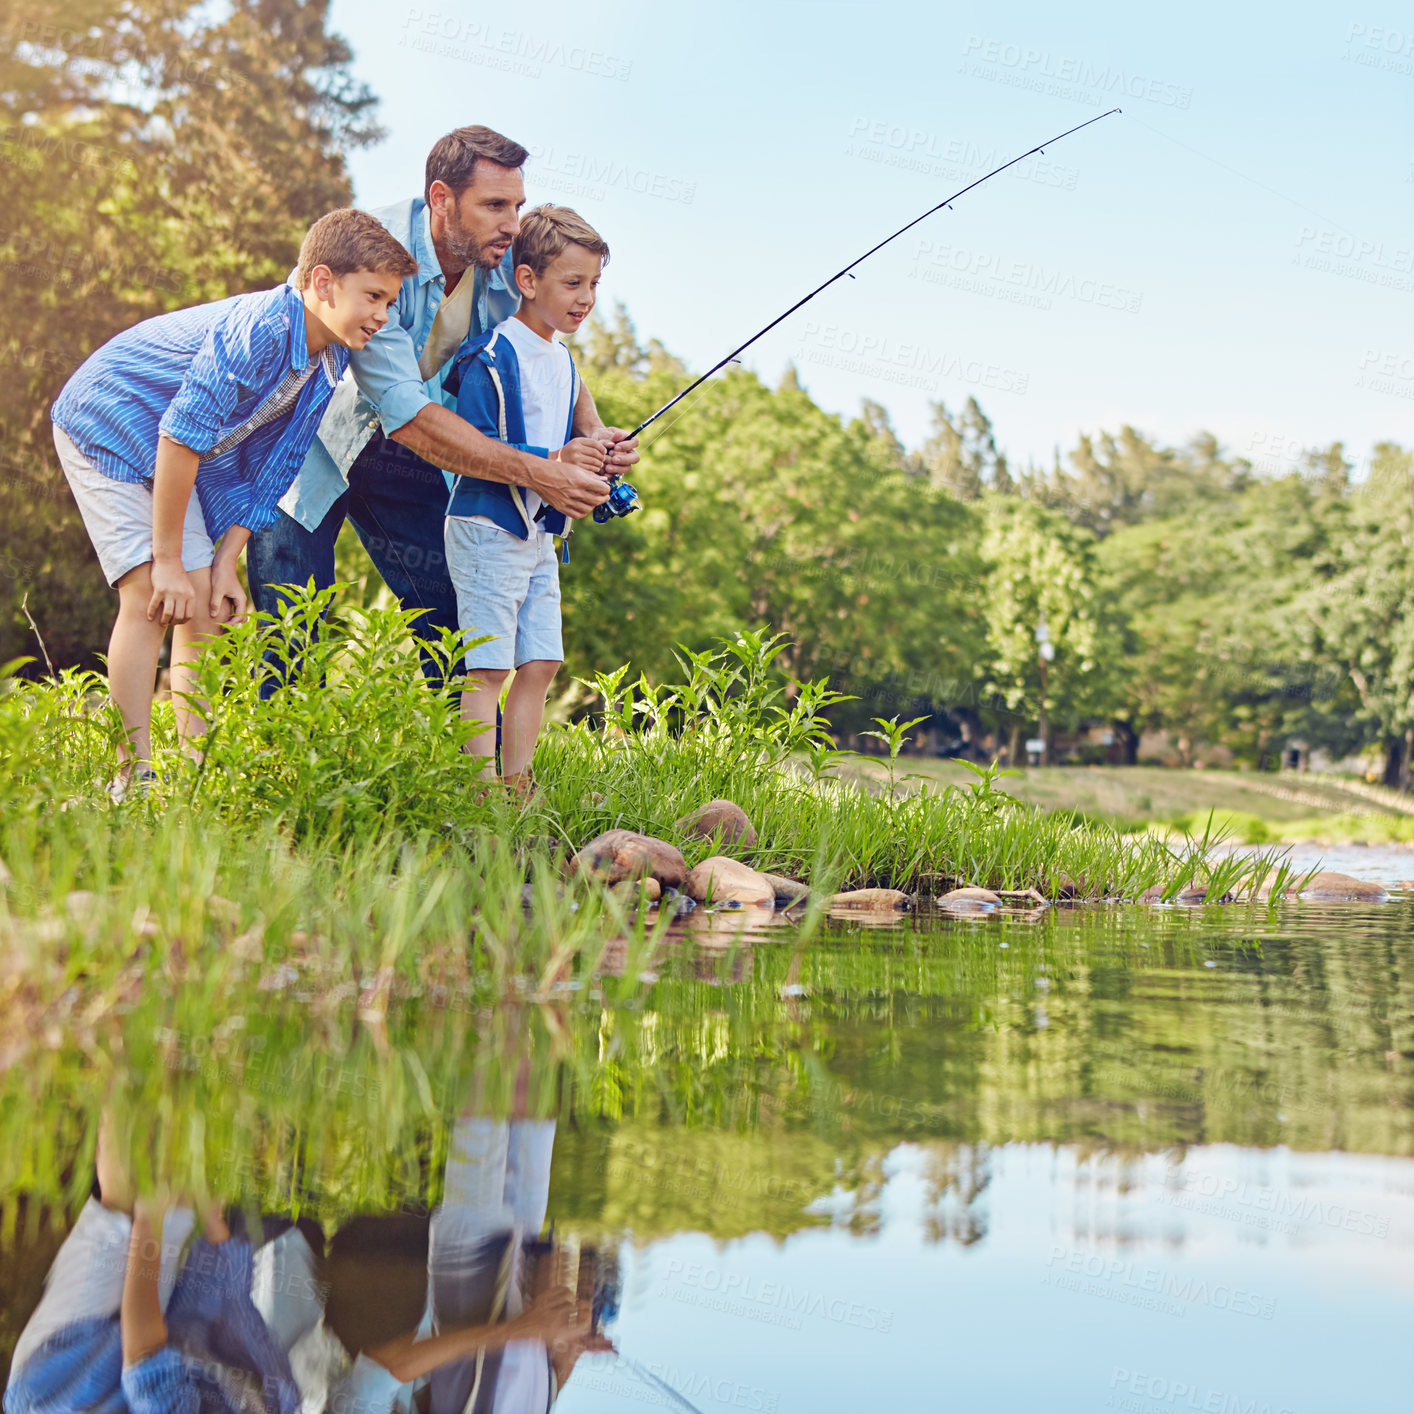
336,829
1254,807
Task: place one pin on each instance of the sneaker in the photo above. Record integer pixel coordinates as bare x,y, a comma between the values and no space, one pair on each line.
131,785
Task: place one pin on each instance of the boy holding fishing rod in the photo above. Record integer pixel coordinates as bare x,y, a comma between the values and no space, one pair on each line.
223,399
519,384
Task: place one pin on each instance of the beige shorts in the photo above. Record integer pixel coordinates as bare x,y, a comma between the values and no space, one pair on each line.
118,516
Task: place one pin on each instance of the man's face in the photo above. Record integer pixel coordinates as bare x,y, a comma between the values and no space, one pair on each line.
477,227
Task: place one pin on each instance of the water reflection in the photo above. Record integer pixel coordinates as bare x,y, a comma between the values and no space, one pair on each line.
159,1302
1090,1160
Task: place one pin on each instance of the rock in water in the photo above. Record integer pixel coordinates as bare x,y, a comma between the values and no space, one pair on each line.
789,892
876,900
625,854
721,818
648,889
970,900
1329,886
724,880
1189,893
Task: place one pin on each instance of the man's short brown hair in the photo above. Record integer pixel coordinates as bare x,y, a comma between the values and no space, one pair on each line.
546,230
349,240
453,158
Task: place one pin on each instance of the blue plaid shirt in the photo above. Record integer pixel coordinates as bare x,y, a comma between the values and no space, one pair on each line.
194,376
218,1350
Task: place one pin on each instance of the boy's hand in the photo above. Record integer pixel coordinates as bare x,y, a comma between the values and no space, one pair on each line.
621,448
550,1318
228,601
172,593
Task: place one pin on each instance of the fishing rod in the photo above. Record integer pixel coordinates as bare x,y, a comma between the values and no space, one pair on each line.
623,498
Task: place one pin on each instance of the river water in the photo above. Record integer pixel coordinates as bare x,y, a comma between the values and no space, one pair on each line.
1082,1160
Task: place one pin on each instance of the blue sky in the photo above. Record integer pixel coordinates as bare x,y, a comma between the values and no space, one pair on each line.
1233,252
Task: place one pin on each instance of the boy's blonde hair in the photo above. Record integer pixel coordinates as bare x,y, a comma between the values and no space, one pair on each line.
544,233
349,240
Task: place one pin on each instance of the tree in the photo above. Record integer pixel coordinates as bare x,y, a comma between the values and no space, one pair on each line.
760,508
1040,564
961,456
1113,481
1357,622
157,153
1223,604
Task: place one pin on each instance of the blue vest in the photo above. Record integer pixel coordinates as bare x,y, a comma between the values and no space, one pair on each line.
485,376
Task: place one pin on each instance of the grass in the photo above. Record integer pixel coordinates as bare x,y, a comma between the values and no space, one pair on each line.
334,830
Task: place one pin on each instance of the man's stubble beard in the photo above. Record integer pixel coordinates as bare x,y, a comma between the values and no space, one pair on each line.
465,247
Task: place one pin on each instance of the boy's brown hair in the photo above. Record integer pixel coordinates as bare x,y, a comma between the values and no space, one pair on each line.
453,158
349,240
545,231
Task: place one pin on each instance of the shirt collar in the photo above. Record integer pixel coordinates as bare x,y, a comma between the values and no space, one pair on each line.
298,348
429,268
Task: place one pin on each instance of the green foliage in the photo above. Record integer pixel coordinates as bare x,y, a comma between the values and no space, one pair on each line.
1114,481
357,755
761,509
1045,567
155,154
1276,612
984,790
352,740
960,456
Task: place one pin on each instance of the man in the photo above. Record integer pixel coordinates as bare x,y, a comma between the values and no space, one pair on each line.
387,431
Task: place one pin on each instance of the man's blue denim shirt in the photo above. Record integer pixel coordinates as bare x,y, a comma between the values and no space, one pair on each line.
386,386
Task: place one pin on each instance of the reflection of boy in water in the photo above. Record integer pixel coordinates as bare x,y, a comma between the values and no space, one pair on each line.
486,1345
125,1324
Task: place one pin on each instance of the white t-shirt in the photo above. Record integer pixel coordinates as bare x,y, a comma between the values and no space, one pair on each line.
546,382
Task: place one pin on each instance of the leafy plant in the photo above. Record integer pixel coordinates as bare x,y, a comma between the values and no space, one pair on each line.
354,738
985,794
895,736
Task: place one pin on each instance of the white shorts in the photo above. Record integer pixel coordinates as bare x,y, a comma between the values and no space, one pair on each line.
118,516
508,587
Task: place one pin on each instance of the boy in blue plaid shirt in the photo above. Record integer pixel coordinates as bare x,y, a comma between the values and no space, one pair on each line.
226,399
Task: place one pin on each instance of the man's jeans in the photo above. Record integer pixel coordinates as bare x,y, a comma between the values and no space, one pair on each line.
397,503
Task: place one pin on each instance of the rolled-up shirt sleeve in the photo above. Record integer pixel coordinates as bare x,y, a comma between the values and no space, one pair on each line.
160,1385
240,352
388,376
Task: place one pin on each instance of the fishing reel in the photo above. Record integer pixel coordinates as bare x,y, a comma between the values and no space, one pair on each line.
623,499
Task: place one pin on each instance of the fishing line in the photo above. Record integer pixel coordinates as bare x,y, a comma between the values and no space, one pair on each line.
663,431
839,275
649,1378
